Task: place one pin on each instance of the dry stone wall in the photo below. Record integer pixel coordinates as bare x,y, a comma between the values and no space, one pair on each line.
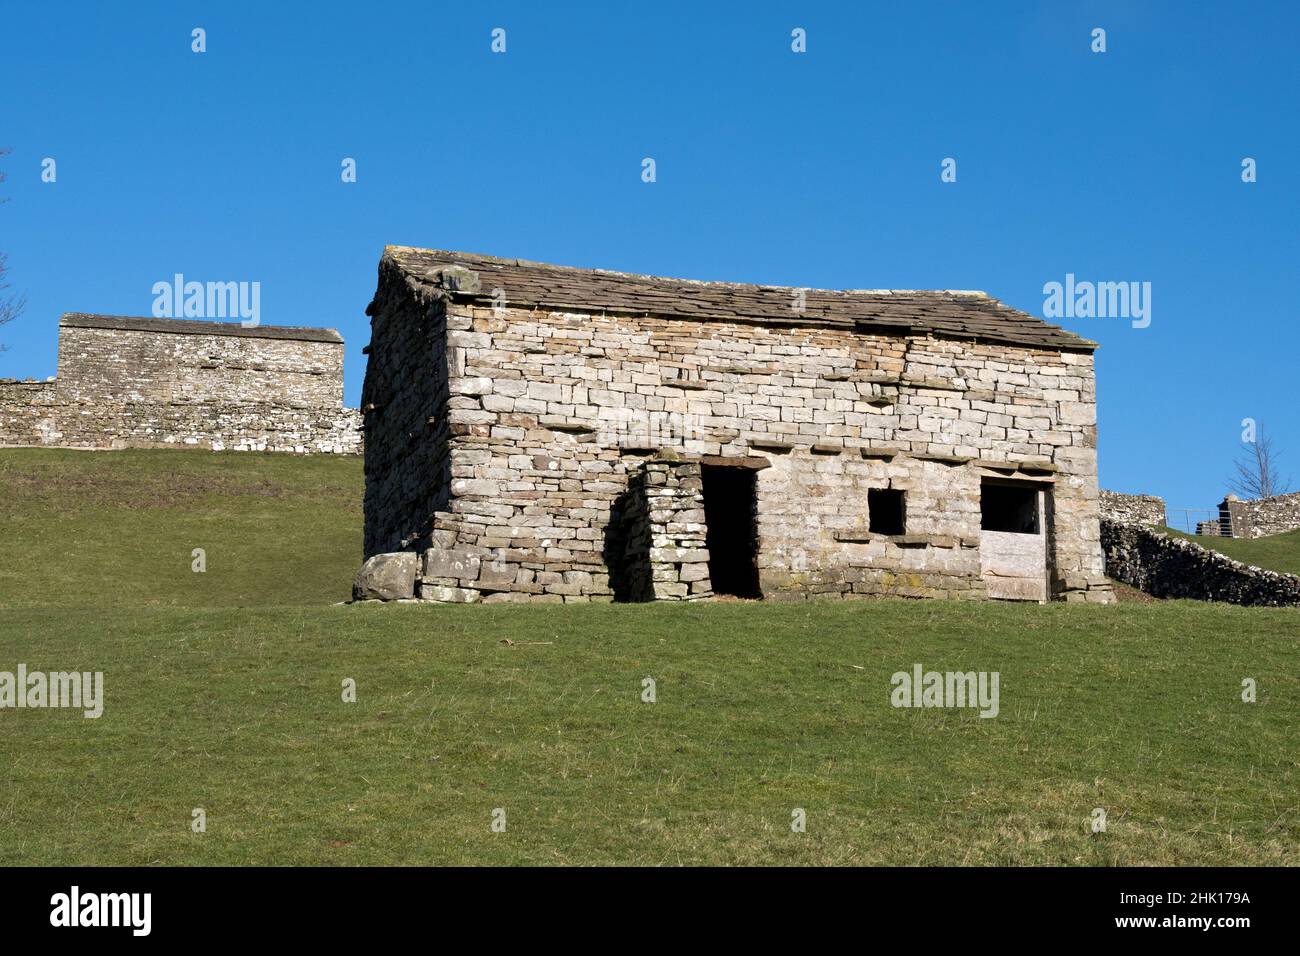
662,553
215,426
27,412
1144,509
1177,568
1218,528
554,417
405,403
1259,517
133,382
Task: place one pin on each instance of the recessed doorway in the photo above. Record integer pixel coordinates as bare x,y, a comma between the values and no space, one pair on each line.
731,511
1013,539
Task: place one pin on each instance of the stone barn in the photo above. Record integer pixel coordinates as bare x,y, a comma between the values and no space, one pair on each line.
545,433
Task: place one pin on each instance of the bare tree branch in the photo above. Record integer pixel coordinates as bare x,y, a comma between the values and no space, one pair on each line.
1258,475
11,306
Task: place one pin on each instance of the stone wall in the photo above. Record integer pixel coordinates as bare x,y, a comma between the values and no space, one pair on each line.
148,365
214,426
27,412
665,557
1144,509
1177,568
405,401
138,382
551,416
1259,517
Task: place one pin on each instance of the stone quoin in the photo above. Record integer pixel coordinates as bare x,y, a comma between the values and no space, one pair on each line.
545,433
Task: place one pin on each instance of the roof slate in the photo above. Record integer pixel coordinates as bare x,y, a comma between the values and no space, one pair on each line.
133,323
970,316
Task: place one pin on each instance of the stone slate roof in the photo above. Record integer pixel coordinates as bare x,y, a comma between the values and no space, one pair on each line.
972,316
132,323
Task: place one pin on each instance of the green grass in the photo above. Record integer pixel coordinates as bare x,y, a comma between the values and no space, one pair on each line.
118,529
1277,552
761,708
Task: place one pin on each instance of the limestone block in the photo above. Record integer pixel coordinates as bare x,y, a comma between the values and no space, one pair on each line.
497,575
386,577
448,595
458,564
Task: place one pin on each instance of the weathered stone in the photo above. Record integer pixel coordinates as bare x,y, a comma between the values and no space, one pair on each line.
458,279
506,597
694,572
128,382
616,419
448,595
1164,566
386,577
451,564
497,575
1259,517
1144,509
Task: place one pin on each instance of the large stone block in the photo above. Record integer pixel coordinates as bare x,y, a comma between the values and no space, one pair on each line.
386,577
448,595
451,564
497,576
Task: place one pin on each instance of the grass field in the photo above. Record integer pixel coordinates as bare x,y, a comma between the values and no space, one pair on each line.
1277,552
225,694
117,529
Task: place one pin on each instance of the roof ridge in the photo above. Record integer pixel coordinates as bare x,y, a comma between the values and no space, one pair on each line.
615,273
149,323
960,314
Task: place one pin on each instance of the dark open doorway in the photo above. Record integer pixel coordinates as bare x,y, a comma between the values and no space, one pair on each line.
730,508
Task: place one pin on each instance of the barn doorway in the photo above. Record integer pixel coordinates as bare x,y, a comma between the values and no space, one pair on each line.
1013,539
731,510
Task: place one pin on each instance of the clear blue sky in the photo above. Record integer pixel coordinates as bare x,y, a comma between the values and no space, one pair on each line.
817,169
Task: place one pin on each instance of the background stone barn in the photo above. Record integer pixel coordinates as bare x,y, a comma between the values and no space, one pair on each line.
140,382
545,433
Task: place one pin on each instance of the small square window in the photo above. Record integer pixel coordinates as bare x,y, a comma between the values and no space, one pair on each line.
886,510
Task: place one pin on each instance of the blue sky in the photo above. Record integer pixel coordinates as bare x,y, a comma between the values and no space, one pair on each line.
817,169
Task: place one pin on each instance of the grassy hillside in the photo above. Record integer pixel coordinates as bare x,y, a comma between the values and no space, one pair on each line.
761,708
117,529
1277,552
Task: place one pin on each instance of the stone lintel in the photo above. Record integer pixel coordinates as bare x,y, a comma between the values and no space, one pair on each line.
753,462
855,537
880,451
